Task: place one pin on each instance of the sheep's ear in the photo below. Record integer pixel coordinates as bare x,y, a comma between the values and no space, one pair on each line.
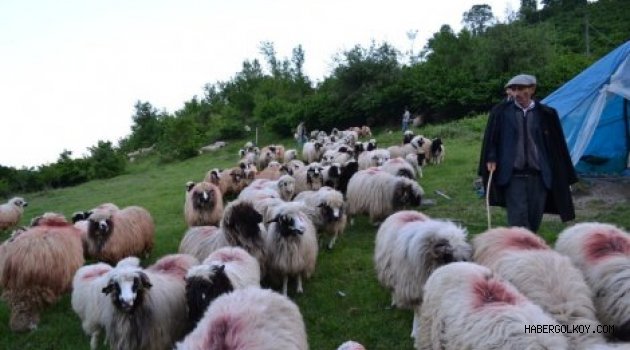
219,268
321,205
189,186
241,152
109,288
144,279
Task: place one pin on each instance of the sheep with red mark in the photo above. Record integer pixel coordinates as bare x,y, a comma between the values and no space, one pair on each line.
240,226
467,306
116,234
37,269
495,242
326,209
224,270
399,167
291,244
88,300
11,212
148,305
602,252
409,247
547,278
379,194
203,204
249,319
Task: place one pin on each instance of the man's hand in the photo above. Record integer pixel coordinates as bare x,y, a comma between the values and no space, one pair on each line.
492,166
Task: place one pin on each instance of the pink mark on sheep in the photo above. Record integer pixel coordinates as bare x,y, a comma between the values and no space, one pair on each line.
373,170
408,216
96,272
492,291
522,242
224,333
601,245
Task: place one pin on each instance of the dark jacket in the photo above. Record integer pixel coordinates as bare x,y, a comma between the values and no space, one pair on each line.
557,171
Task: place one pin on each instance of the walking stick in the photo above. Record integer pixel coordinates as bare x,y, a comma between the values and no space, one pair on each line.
488,199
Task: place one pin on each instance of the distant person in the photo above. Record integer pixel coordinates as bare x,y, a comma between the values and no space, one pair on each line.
525,148
406,119
300,134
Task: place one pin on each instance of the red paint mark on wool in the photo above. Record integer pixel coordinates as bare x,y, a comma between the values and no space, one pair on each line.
410,216
492,292
228,256
603,244
96,272
224,333
54,222
373,170
522,241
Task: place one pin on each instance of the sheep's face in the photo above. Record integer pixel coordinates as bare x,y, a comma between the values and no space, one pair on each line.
331,213
19,202
370,146
441,251
127,290
403,172
406,195
80,216
313,174
204,285
289,225
328,158
436,146
203,200
244,219
287,187
99,230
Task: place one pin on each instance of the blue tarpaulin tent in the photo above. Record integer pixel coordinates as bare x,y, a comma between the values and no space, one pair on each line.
594,111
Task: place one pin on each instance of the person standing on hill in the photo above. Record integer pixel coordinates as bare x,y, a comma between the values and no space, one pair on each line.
405,119
525,148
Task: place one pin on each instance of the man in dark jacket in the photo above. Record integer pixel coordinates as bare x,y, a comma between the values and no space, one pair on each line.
525,148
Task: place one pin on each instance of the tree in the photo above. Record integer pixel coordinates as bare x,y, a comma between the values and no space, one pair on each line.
528,10
478,18
105,161
146,128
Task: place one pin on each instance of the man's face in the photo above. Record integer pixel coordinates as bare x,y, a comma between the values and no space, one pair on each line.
523,94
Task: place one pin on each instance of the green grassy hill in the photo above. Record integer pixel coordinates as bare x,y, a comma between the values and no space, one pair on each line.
342,300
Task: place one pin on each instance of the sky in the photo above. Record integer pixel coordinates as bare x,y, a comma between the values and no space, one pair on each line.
71,71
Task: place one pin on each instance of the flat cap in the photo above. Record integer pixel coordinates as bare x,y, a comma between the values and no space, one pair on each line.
522,79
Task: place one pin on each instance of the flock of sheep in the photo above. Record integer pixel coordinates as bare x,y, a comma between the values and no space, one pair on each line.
464,294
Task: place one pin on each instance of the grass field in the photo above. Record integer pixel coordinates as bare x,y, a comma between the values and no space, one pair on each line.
342,300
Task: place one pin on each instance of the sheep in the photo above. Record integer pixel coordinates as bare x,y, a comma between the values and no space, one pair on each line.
271,172
331,174
351,345
373,158
416,161
466,306
379,194
249,319
292,166
347,170
437,151
203,204
37,268
492,244
399,167
547,278
117,234
407,136
409,247
148,305
11,212
291,244
290,155
229,181
326,209
312,151
602,252
240,227
309,178
268,154
284,188
223,271
88,300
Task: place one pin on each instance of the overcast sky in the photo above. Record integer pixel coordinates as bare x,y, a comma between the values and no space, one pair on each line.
72,70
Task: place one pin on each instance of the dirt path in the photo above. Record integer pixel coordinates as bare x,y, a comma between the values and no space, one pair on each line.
600,193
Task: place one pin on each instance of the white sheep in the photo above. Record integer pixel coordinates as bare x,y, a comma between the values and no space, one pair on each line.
546,277
409,247
284,186
240,226
351,345
290,155
11,212
291,244
249,319
399,167
437,151
466,306
37,268
88,300
224,270
379,194
273,171
373,158
309,178
326,209
602,252
149,305
312,151
116,234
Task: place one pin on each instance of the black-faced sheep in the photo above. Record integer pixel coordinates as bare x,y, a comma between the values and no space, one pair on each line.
379,194
312,151
309,178
409,247
149,305
229,181
437,151
602,253
11,212
326,209
225,270
240,226
203,204
37,268
249,319
291,244
399,167
466,306
88,300
548,279
117,234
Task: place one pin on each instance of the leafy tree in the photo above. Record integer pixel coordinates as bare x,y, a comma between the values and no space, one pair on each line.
527,10
146,127
478,18
180,139
105,161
